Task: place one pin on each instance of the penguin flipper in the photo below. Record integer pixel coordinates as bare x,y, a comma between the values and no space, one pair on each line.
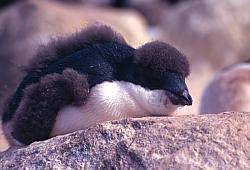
41,102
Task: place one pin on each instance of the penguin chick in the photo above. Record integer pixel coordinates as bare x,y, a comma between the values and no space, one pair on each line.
91,77
228,91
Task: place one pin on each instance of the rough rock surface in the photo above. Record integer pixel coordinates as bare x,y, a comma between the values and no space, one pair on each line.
219,141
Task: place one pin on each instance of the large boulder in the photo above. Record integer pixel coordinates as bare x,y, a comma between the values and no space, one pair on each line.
219,141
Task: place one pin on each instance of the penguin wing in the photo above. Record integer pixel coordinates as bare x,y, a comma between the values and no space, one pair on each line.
36,114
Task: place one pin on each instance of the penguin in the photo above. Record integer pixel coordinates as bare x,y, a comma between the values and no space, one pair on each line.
229,90
90,77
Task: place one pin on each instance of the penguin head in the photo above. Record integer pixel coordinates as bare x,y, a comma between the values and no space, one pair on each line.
160,70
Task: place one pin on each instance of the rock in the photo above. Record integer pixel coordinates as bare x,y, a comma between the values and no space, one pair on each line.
228,90
210,31
219,141
27,24
153,10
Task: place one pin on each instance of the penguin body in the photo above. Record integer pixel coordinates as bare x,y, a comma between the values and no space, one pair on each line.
91,77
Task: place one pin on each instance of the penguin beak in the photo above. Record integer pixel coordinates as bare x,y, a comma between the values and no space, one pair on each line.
185,98
180,98
176,89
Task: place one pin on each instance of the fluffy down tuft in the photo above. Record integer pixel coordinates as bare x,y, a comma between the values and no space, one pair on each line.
64,46
160,57
41,102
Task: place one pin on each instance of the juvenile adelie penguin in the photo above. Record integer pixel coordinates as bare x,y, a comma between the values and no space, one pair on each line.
91,77
228,91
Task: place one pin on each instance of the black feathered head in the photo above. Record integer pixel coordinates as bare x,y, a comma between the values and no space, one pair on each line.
159,66
161,57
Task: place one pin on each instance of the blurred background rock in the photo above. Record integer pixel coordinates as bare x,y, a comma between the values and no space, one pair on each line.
213,34
27,23
229,90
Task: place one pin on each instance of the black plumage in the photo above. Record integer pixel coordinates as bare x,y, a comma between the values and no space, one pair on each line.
64,71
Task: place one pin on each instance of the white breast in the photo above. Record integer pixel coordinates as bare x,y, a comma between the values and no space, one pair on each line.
110,101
